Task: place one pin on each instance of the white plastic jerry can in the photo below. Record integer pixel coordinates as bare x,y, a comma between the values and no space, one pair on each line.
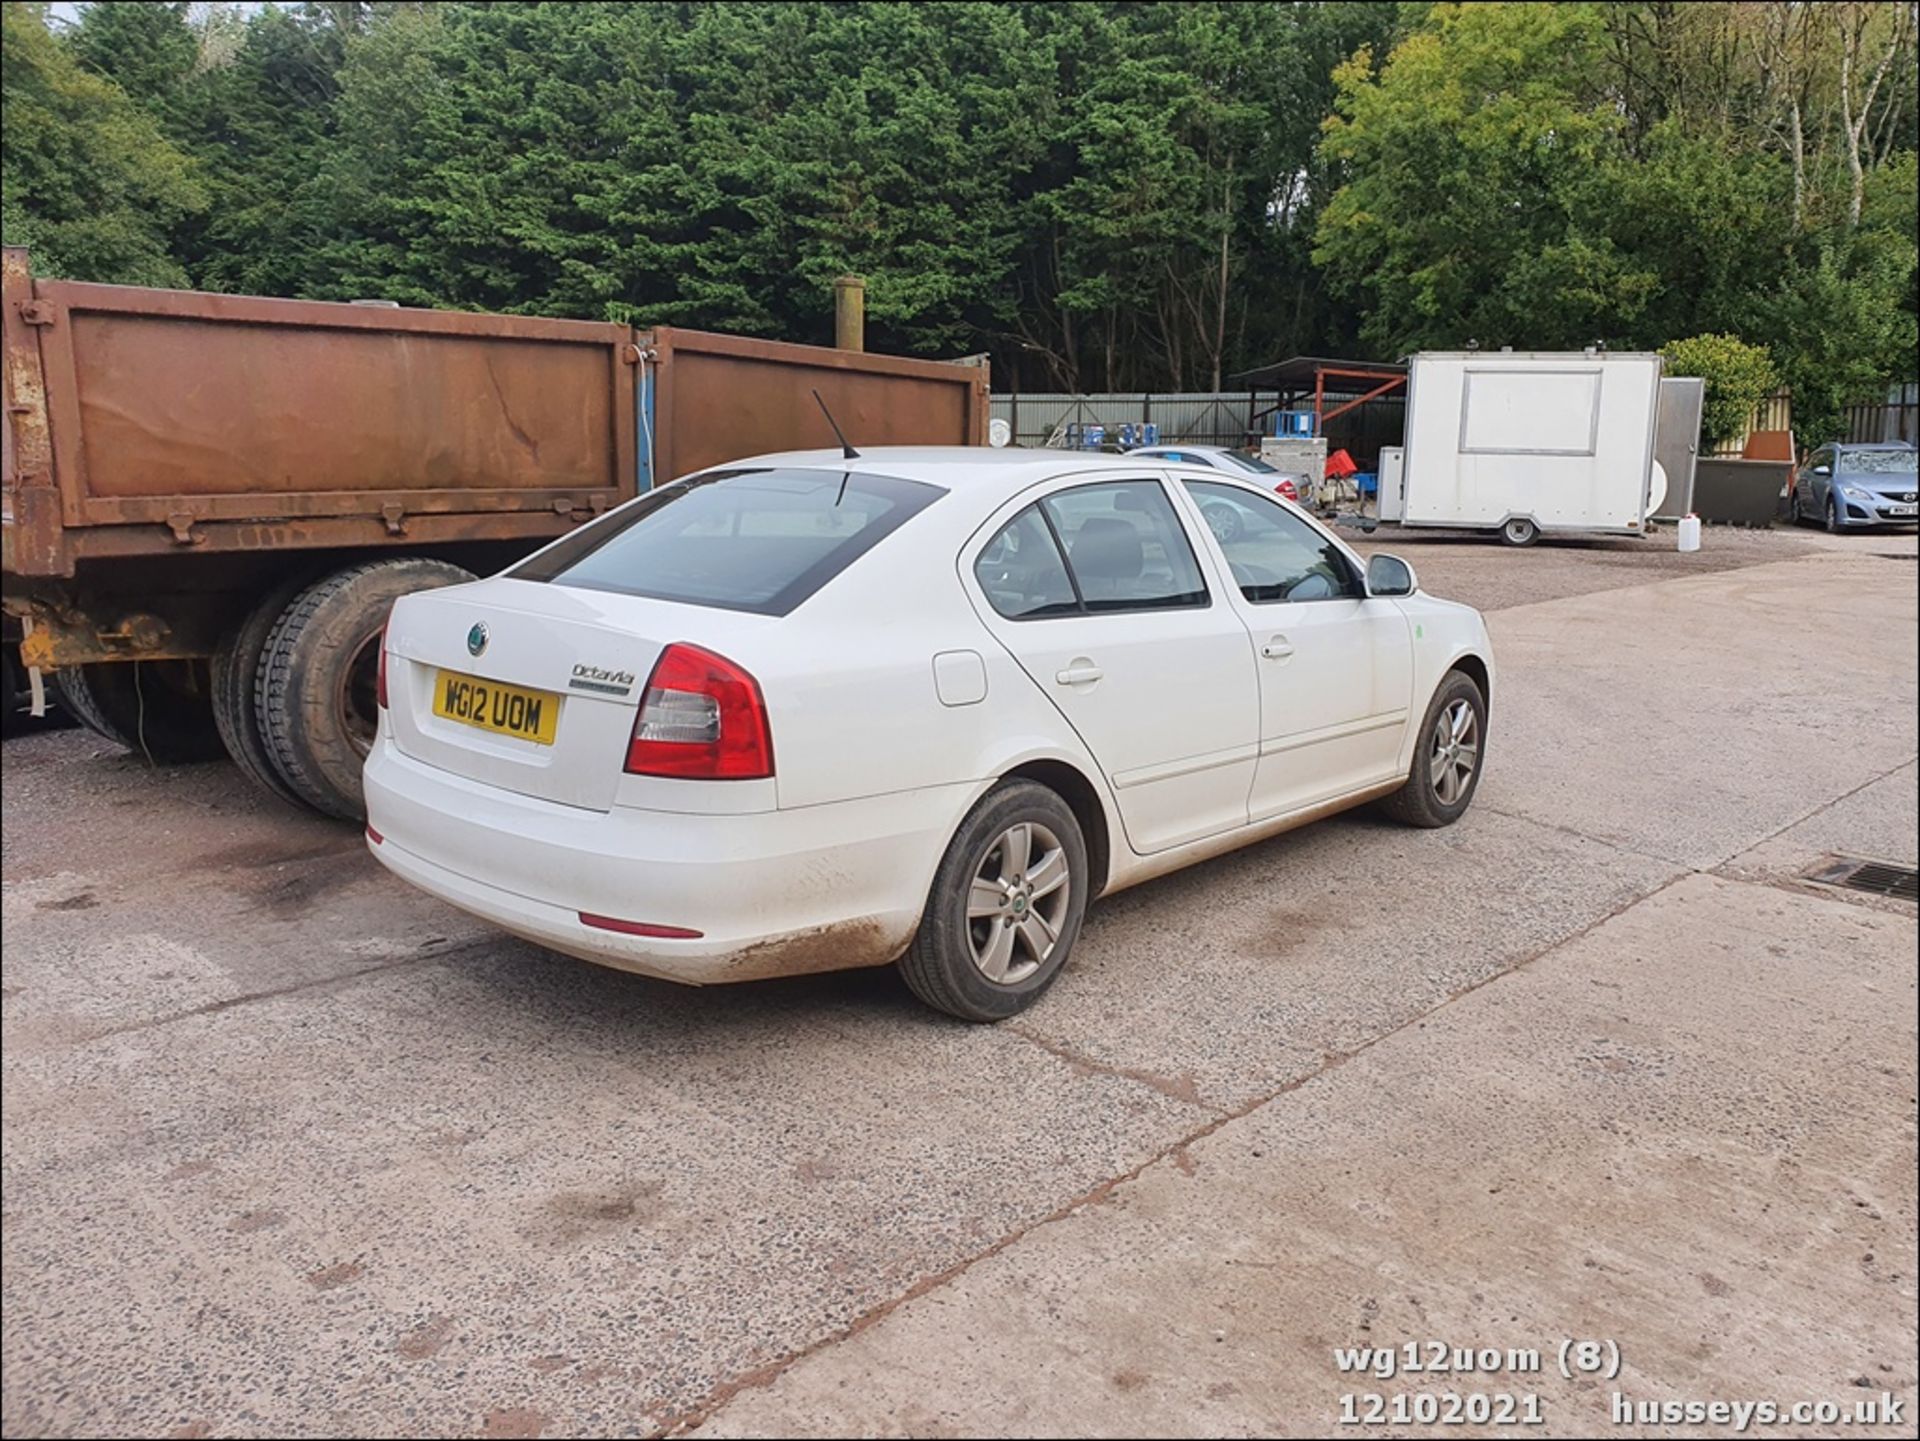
1690,532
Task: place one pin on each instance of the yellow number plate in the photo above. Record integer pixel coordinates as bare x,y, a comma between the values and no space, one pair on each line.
509,710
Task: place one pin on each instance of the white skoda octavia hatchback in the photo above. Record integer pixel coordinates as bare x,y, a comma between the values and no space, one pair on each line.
807,712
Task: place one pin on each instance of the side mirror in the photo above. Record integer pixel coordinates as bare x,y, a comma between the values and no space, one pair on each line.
1388,575
1823,470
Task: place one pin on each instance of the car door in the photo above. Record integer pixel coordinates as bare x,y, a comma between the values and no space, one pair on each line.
1335,665
1094,586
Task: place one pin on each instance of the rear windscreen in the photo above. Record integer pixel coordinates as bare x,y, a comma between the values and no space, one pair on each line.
755,540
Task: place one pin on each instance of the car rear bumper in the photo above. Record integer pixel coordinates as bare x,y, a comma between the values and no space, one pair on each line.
772,893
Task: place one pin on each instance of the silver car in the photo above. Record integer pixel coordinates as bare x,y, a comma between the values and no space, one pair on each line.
1234,462
1854,487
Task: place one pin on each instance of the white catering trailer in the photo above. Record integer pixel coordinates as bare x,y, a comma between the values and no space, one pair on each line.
1523,442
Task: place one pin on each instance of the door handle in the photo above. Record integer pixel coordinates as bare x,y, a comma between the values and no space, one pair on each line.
1080,673
1279,648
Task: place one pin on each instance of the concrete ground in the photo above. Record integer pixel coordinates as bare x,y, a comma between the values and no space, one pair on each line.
290,1149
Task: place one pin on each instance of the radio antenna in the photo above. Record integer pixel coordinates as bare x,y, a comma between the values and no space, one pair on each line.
847,452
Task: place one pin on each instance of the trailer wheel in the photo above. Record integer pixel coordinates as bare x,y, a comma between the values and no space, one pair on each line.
1519,531
236,711
314,689
162,709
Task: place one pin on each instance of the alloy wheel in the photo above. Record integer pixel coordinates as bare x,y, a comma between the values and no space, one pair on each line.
1017,902
1456,751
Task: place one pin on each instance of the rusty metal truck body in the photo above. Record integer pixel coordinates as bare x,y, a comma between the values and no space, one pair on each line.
175,461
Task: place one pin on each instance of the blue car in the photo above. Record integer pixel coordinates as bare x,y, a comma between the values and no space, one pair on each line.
1854,487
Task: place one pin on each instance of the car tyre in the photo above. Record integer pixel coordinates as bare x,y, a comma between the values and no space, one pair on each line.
1001,905
1833,516
313,691
1446,768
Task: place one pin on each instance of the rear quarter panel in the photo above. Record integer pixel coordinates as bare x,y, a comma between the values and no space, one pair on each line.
850,686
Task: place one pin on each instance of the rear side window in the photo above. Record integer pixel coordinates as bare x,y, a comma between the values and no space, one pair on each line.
1125,546
1252,463
1023,573
1093,549
753,540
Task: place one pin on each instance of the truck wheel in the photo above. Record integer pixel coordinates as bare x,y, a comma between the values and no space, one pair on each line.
1519,531
235,708
11,694
162,709
314,689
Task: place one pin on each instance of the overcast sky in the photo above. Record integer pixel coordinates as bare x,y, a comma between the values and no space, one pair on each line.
68,11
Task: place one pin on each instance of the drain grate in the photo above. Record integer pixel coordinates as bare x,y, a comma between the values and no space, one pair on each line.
1876,878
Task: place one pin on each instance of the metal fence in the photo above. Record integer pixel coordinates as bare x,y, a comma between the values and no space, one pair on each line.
1221,418
1895,418
1196,417
1218,417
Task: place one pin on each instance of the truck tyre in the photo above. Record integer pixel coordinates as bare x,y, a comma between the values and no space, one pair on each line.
235,710
314,689
162,709
16,684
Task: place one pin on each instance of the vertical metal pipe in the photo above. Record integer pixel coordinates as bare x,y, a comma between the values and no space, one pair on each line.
850,312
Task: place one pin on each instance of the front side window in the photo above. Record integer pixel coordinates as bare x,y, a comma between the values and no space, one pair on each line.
1274,554
753,540
1125,546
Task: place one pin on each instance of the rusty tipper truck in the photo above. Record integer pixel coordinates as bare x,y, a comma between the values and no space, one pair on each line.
211,501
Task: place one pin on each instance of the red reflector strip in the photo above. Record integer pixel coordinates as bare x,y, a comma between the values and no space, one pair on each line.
375,836
639,928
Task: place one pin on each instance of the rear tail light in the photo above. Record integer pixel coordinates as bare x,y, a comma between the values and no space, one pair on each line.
375,836
1288,491
701,718
380,673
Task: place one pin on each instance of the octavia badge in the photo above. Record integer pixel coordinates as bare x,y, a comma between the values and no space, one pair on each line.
477,638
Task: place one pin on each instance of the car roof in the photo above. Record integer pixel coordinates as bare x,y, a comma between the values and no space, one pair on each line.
942,465
1166,446
1874,444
